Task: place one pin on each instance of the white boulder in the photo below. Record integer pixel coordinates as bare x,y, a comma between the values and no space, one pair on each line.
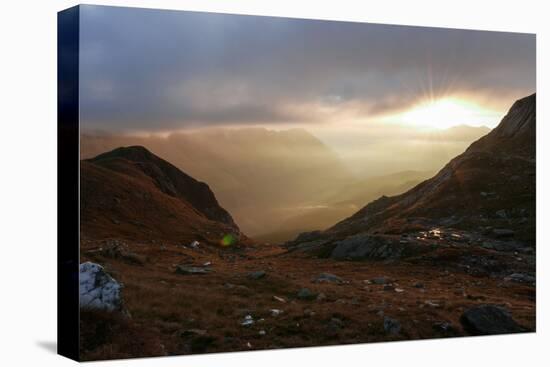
98,290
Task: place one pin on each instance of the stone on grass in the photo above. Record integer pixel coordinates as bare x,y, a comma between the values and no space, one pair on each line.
489,320
306,294
380,280
328,278
247,321
191,270
279,299
98,290
257,275
391,326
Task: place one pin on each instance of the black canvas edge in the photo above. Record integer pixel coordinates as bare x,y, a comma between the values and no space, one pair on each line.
68,167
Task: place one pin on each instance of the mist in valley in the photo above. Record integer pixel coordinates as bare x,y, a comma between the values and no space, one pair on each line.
278,183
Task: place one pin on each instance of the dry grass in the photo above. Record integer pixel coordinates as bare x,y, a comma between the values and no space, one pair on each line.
202,313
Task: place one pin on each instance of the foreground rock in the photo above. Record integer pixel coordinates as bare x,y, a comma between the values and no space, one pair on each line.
98,290
328,278
190,270
391,326
306,294
255,275
489,320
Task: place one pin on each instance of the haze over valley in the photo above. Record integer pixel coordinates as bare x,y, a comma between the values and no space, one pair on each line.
278,183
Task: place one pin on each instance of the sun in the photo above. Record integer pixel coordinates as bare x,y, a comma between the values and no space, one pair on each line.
448,112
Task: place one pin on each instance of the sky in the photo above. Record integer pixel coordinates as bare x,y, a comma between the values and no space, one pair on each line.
145,70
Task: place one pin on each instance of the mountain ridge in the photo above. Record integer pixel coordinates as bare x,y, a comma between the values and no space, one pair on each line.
131,192
470,190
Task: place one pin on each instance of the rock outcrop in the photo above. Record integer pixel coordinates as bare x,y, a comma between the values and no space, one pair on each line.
489,320
98,290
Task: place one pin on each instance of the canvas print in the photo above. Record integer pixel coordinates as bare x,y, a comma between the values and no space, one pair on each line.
252,182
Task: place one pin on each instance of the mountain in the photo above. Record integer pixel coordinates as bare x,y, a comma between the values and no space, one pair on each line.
490,188
247,168
130,192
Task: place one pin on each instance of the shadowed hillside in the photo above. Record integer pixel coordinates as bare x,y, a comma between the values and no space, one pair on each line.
130,192
492,184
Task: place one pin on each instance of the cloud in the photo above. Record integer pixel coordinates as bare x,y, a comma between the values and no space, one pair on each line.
158,70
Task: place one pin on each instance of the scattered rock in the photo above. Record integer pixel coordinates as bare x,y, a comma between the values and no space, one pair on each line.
321,297
488,320
333,326
200,343
192,332
115,249
306,294
337,322
458,238
391,326
257,275
191,270
520,278
380,280
431,303
275,312
247,321
262,332
98,290
444,328
502,214
503,233
194,244
328,278
279,299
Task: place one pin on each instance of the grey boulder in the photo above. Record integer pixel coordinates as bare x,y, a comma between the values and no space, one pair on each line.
489,320
97,289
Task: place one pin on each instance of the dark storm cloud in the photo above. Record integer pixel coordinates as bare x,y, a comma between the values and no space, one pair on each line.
149,69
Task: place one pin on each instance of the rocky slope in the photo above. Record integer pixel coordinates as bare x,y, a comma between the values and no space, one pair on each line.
491,185
476,215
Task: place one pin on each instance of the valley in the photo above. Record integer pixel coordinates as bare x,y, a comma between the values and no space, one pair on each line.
451,255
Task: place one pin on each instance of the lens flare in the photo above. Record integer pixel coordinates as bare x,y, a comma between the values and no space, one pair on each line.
228,240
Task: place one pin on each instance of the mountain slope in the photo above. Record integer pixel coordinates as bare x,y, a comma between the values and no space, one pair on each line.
492,184
247,168
130,192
